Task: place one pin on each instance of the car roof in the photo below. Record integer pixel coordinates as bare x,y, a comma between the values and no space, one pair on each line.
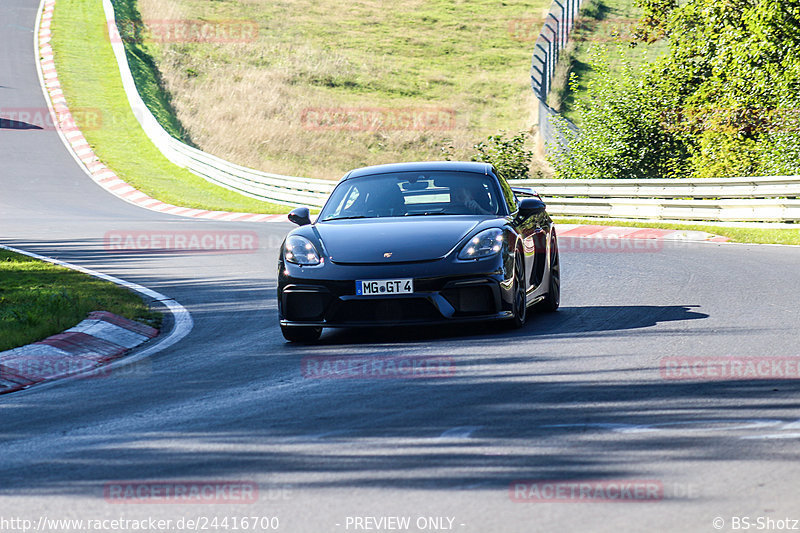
422,166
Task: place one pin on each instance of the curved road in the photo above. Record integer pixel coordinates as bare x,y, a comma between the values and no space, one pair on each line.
577,395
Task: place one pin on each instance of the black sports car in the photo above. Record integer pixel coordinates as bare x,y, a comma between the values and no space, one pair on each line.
417,243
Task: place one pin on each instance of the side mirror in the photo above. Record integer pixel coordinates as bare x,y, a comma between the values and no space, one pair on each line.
300,216
530,206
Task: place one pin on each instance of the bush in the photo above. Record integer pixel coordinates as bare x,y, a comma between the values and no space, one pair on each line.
622,133
721,102
736,66
510,157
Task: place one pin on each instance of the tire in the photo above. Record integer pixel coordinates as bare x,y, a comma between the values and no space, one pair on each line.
304,334
553,298
520,296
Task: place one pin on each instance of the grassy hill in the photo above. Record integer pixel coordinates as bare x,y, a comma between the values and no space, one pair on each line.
326,86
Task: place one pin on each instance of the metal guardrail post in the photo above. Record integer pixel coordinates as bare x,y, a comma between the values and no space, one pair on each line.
556,43
555,33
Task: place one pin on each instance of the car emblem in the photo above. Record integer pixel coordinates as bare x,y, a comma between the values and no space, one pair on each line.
387,255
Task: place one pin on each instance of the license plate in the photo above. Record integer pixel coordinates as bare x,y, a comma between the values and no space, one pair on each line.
383,287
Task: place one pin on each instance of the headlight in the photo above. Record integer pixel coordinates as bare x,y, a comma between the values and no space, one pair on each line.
300,251
484,244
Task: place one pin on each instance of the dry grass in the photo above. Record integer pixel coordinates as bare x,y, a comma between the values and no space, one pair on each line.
245,101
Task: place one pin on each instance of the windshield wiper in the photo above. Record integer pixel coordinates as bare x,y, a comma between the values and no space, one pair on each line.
345,218
426,214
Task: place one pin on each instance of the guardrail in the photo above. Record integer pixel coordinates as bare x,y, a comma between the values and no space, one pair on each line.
766,187
729,199
767,199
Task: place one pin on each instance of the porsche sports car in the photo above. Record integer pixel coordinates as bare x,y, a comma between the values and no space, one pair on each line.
418,243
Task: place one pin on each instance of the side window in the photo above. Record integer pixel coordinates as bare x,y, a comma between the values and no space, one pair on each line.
508,194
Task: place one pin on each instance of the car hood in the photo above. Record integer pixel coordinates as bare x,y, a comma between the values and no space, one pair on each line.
406,239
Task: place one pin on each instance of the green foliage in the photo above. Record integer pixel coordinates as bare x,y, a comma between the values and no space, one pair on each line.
510,156
722,101
621,133
652,24
738,64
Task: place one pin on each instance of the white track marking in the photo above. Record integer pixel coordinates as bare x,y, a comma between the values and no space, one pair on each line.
459,432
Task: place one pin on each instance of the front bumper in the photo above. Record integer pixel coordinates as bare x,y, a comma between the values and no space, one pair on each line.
326,295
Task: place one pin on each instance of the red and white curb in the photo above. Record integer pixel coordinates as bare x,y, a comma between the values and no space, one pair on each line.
86,347
99,341
80,149
583,231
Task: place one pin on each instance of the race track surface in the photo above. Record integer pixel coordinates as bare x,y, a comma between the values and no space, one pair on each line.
578,395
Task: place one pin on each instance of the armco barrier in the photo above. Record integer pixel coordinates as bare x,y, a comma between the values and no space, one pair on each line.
740,210
767,199
766,187
730,199
556,28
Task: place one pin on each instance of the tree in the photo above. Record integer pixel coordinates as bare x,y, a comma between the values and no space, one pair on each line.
723,101
736,64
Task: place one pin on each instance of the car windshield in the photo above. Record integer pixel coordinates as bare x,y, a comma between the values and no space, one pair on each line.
404,194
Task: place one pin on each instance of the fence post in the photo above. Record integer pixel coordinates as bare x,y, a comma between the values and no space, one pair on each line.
552,39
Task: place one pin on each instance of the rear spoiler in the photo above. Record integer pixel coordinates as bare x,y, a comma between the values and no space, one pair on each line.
526,191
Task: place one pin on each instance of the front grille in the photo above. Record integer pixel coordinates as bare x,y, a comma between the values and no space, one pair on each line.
474,300
304,305
385,310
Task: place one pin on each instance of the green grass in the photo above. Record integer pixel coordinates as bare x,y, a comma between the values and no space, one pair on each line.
433,51
144,70
90,79
735,234
39,299
458,56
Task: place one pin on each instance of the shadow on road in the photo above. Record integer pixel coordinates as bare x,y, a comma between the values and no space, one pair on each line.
8,124
566,321
541,403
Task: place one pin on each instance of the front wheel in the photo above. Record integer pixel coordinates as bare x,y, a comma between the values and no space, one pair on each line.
301,333
520,294
553,298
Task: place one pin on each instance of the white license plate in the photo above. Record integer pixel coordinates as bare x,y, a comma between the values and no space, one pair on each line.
383,287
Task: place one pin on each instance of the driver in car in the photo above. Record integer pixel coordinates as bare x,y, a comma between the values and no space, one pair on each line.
468,198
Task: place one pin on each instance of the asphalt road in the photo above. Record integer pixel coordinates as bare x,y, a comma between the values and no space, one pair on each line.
574,396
